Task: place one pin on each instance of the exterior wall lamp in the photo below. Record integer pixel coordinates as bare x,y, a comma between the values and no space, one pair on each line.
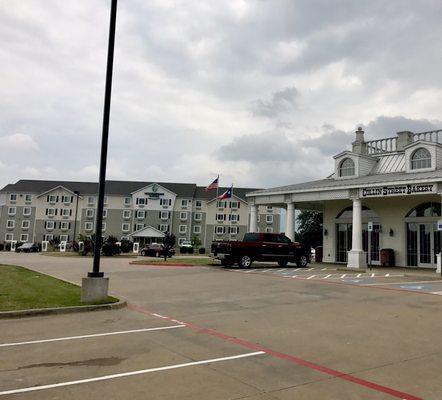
325,232
391,233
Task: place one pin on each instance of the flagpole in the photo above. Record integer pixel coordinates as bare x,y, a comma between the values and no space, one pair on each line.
216,207
230,227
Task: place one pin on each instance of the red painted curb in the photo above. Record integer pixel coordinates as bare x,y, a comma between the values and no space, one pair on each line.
283,356
165,264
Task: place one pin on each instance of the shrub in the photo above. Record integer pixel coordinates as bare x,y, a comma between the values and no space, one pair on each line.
110,247
126,246
2,246
183,250
201,250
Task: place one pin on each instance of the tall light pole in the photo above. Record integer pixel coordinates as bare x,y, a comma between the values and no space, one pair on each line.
104,144
77,193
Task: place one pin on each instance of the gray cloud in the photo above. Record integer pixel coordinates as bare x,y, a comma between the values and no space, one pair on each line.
280,102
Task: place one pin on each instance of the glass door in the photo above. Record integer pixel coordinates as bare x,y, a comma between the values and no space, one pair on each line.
425,245
374,244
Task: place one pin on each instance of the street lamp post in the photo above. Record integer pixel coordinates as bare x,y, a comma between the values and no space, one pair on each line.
95,286
77,193
104,144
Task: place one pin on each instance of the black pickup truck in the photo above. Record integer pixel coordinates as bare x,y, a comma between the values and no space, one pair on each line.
260,247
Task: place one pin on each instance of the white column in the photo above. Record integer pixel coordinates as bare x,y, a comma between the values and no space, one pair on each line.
253,218
290,221
356,256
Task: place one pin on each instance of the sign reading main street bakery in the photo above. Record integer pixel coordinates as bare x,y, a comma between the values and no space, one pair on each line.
398,190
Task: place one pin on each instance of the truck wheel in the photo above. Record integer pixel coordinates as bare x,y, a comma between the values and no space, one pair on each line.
245,262
302,261
282,263
226,263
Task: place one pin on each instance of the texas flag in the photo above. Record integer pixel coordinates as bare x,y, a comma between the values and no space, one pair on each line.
213,185
227,194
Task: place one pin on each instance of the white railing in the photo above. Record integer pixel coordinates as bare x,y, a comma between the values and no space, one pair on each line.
430,136
381,145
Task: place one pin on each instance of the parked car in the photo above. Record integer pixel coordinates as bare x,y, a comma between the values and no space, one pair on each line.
186,247
27,248
261,247
156,250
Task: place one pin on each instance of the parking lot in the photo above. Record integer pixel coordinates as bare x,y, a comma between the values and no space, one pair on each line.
214,333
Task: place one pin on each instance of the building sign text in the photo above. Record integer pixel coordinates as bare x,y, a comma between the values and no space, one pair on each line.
397,190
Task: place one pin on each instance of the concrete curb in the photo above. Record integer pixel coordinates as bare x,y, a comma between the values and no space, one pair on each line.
61,310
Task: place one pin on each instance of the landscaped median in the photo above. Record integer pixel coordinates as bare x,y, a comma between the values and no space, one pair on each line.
26,292
177,261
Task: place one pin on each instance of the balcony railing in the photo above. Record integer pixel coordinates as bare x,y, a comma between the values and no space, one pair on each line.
382,145
430,136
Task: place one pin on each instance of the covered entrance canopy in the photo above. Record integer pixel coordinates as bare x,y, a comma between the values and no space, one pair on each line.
147,235
381,198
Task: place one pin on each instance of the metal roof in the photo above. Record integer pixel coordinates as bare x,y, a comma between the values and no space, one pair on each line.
328,184
388,163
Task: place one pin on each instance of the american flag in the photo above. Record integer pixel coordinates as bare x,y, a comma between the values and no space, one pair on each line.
213,185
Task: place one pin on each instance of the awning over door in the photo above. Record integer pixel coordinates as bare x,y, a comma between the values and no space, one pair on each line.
148,232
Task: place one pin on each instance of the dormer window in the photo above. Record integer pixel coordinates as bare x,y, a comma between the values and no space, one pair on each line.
347,167
421,158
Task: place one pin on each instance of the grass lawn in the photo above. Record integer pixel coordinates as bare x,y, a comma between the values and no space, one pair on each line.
23,289
177,260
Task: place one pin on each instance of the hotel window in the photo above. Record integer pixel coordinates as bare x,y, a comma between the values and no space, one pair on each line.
90,213
103,226
126,214
13,197
67,199
181,241
138,227
197,216
140,214
269,230
233,230
197,229
221,204
24,237
26,211
347,167
28,198
269,208
10,224
66,212
164,215
142,201
182,229
64,238
91,200
258,219
234,217
198,204
184,203
51,198
12,211
220,217
105,213
219,230
105,200
64,226
88,226
165,202
183,216
163,228
125,227
25,224
234,204
51,212
127,201
269,219
48,236
49,225
421,158
9,237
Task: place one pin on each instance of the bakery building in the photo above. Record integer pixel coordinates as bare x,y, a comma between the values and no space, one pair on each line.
382,194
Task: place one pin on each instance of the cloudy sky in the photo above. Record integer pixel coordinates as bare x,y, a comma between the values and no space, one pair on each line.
261,92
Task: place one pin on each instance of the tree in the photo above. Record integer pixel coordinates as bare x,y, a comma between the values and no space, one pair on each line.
168,243
310,228
196,241
110,247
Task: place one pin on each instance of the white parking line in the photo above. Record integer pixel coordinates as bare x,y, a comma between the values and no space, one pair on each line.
439,293
309,269
311,277
324,269
327,276
266,270
343,276
131,373
399,283
297,269
280,270
60,339
250,270
358,275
